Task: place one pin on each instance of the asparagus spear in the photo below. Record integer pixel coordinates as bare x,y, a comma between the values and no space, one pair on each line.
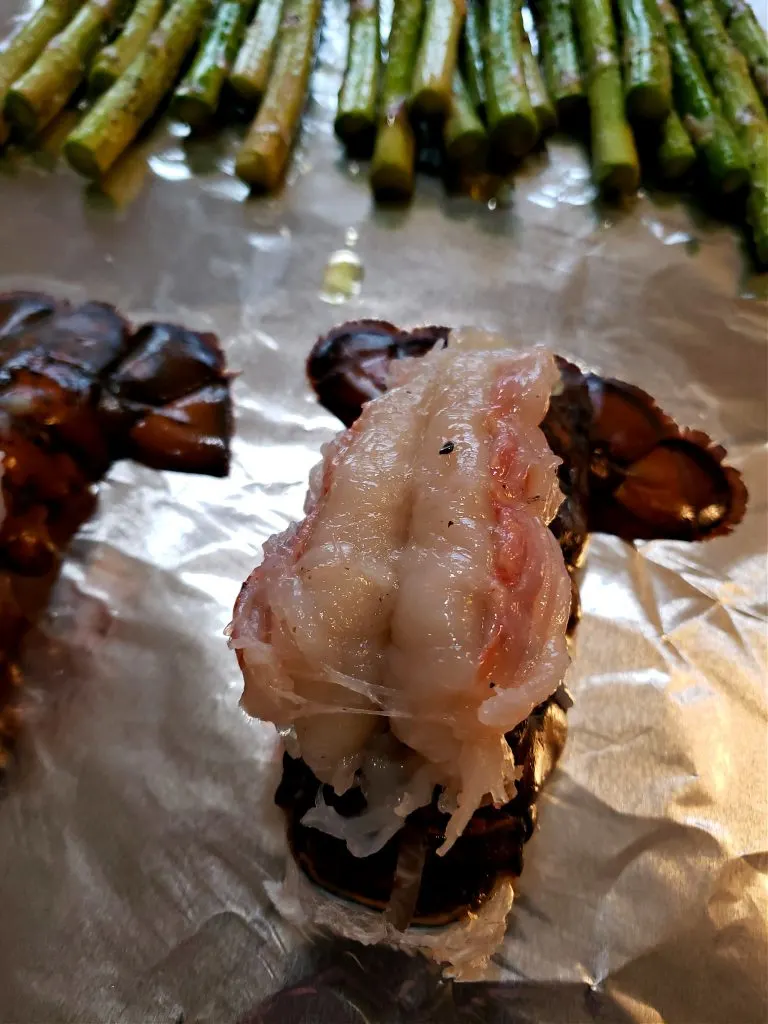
263,156
748,35
23,48
116,119
471,48
197,98
560,56
729,73
464,134
394,155
614,156
50,142
432,85
711,133
647,71
543,107
757,200
44,89
115,58
356,112
676,155
250,75
726,67
511,119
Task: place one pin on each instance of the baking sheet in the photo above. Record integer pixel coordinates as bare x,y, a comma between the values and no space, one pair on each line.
138,832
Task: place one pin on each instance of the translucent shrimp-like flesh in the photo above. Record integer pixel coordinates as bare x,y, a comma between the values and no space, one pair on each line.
423,596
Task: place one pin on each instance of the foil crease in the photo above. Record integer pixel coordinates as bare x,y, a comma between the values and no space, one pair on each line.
138,837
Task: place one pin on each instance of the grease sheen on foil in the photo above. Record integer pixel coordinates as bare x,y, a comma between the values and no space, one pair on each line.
138,838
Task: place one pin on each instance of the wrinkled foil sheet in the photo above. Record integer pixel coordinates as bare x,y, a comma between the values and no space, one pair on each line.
138,833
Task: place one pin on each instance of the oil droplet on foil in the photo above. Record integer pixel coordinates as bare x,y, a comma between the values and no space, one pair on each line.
343,277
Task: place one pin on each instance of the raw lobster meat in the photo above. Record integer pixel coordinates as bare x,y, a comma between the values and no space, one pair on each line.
627,469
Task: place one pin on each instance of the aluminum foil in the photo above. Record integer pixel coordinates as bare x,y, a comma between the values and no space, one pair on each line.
138,836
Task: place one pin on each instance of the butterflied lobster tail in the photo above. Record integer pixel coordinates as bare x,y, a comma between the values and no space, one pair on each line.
80,388
626,469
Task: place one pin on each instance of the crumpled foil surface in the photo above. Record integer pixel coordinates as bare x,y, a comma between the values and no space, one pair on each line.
138,837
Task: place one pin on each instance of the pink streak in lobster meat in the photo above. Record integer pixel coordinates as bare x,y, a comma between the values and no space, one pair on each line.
423,595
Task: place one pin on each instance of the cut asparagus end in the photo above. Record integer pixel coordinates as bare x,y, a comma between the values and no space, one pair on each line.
21,114
431,101
675,154
514,135
352,125
393,164
675,166
243,86
468,149
648,102
618,178
391,182
260,164
82,158
190,106
734,180
101,79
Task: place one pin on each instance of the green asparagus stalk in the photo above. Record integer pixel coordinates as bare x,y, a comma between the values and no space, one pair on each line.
757,200
49,144
124,180
116,58
543,107
647,70
358,97
471,50
197,98
394,154
711,133
748,35
116,119
393,167
25,46
560,56
250,75
464,133
676,154
263,156
511,120
615,163
44,89
727,69
432,85
729,73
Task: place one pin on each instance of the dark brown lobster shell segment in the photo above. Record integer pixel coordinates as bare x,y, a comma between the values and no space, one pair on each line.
79,389
627,469
450,885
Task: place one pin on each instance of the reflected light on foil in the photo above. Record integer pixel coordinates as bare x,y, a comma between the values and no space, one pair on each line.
575,188
272,242
171,165
667,237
